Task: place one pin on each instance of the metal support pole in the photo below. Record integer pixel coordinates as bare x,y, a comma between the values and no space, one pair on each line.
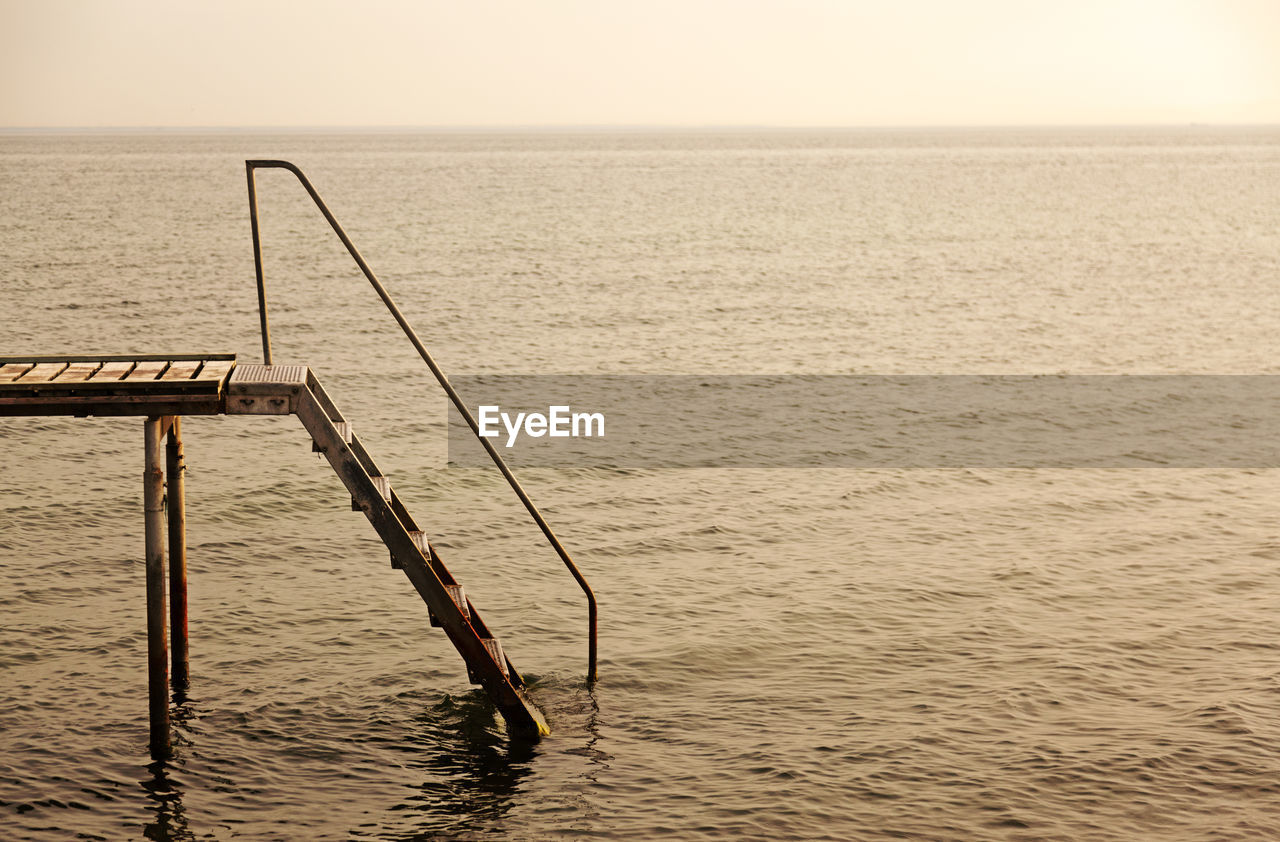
157,654
175,466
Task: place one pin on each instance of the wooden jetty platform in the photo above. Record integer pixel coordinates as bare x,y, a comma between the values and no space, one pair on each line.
162,389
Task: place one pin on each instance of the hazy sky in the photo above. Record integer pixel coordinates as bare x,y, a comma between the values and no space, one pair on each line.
665,62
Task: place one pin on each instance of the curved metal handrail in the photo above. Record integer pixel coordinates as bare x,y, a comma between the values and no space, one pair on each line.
250,166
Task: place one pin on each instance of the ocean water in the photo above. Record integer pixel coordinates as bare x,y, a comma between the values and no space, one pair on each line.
816,653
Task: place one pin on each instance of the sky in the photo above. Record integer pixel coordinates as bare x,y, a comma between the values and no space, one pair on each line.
480,63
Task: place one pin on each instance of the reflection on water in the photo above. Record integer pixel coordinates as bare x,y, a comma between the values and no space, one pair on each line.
474,769
584,708
169,820
169,823
464,774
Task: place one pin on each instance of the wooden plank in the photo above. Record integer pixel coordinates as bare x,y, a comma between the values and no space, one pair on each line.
216,370
148,370
181,370
42,373
76,372
111,371
146,383
111,358
12,371
112,405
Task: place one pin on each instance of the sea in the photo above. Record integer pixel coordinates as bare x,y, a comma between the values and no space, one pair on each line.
949,650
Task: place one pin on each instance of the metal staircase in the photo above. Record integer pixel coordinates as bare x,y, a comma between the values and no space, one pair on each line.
345,441
293,389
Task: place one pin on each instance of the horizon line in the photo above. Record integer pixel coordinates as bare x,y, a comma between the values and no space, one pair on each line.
613,127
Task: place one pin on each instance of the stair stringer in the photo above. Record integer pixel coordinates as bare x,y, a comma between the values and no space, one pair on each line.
352,465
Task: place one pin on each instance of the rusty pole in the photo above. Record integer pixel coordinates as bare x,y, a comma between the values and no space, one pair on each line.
175,467
157,654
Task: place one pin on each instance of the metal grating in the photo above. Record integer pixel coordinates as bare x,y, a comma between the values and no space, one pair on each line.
284,374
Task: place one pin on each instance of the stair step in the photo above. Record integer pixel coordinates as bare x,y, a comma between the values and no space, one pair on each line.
383,484
420,539
344,430
495,650
459,599
456,593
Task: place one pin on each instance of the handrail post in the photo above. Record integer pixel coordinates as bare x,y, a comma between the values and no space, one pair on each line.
412,335
257,264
